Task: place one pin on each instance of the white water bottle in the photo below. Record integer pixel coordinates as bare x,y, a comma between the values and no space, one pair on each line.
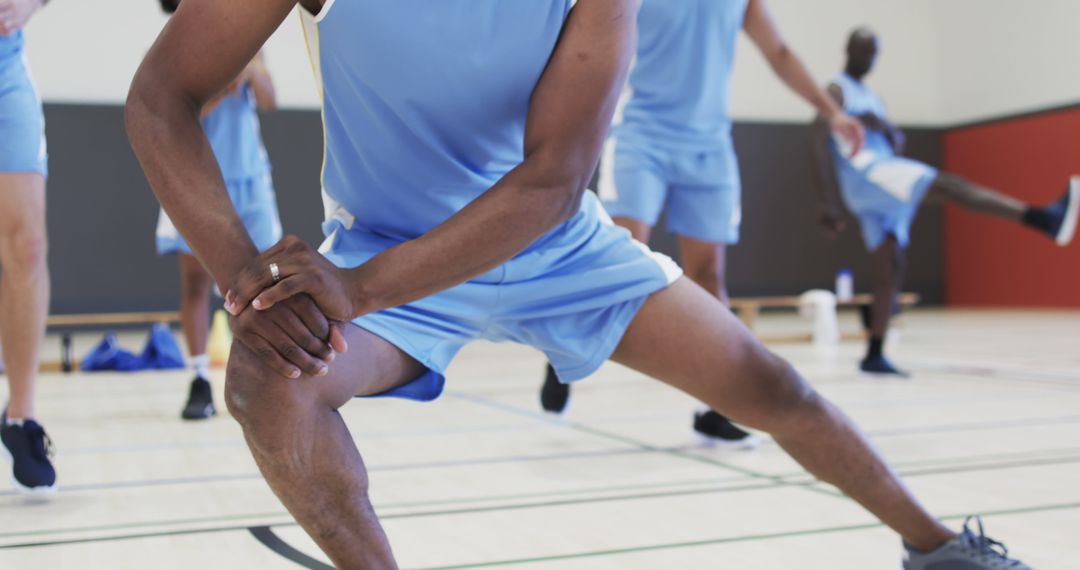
845,286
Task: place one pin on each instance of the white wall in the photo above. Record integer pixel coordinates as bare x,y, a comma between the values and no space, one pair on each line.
1000,57
818,30
86,51
943,61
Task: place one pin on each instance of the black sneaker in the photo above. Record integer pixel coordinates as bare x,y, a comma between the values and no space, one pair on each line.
880,366
718,430
29,449
554,395
1065,212
200,402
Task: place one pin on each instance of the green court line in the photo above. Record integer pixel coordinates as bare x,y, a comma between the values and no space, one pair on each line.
480,401
381,507
733,539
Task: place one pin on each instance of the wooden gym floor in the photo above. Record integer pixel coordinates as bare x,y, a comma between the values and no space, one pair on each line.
990,424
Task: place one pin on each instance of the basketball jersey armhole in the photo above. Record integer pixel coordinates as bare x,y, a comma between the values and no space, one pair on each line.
325,10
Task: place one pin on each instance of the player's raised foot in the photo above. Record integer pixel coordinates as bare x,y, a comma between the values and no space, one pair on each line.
1069,208
968,551
554,395
200,402
1058,220
880,366
716,429
29,450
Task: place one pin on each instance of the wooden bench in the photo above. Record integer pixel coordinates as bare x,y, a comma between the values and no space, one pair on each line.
749,309
65,323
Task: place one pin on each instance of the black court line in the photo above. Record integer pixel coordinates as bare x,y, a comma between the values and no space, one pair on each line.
727,540
266,536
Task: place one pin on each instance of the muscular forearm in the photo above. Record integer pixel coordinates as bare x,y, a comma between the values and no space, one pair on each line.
823,167
169,142
492,229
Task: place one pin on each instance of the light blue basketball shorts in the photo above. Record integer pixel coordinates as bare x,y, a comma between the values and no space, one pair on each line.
256,203
22,123
700,189
885,196
571,295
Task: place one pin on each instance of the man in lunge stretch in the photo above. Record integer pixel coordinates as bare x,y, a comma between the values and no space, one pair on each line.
455,180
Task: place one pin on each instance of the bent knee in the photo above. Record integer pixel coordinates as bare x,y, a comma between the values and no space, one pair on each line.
252,391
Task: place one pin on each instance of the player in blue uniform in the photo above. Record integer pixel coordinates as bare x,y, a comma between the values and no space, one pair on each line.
884,191
460,136
24,280
671,147
231,123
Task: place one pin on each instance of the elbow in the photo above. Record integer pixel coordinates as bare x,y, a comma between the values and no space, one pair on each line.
559,182
780,57
569,190
136,108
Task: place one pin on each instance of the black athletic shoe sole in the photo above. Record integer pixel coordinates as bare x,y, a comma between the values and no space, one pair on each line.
881,368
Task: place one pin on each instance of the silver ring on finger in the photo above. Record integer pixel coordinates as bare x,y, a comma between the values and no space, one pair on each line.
275,272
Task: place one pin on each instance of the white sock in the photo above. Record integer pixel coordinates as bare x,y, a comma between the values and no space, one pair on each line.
201,364
15,421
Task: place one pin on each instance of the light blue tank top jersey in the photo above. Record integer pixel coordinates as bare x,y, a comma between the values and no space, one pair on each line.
860,99
234,133
424,102
10,48
681,77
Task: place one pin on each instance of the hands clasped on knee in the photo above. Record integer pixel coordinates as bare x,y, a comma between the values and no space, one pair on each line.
290,317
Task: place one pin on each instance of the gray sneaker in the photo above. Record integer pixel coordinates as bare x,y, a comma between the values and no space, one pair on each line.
967,551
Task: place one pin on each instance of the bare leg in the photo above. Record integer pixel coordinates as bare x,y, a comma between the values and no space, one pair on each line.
24,284
306,452
638,229
685,338
975,198
704,263
195,284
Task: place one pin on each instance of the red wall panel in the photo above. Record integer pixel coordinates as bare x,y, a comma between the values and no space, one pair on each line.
989,262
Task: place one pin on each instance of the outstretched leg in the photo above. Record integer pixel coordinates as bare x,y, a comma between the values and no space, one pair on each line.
978,199
688,340
306,452
1058,220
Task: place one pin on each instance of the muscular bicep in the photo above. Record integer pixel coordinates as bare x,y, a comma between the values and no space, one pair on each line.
573,103
207,43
